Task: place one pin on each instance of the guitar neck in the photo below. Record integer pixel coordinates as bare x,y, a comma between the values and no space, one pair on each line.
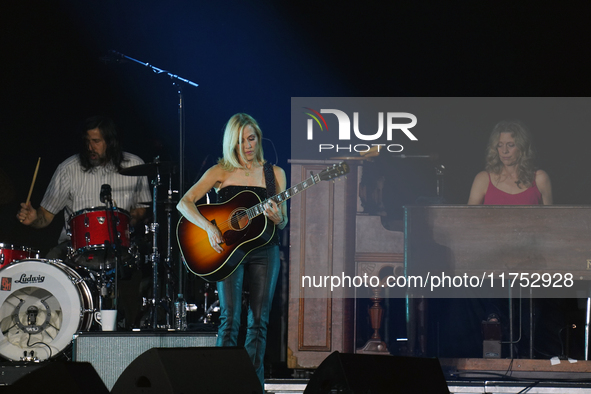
258,209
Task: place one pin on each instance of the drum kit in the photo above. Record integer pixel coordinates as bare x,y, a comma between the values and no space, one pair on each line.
44,303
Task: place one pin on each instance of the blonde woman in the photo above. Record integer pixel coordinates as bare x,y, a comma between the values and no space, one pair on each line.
243,168
510,177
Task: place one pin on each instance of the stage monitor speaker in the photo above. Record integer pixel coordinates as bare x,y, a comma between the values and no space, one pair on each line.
60,377
377,374
190,370
111,352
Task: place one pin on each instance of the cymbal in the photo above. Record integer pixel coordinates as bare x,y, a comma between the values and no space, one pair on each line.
150,169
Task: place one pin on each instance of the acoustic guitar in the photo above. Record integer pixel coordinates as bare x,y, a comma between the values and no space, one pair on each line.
243,226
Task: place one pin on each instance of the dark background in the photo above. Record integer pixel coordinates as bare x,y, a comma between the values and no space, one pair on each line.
253,57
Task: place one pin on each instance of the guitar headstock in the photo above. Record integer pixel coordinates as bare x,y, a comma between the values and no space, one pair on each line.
334,171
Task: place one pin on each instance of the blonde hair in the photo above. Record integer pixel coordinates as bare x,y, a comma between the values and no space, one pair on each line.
526,169
233,139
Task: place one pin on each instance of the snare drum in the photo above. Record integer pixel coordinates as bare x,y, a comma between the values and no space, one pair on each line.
43,303
91,228
10,253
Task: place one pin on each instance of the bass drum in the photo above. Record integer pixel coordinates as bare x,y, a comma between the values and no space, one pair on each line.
43,303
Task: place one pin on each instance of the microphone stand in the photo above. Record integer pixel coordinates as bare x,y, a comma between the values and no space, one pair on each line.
181,270
178,83
440,174
116,242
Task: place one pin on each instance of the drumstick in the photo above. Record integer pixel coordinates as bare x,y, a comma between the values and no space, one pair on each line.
33,182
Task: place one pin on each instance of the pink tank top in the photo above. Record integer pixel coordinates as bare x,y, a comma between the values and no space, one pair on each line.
495,196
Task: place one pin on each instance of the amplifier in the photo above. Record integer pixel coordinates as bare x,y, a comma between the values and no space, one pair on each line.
111,352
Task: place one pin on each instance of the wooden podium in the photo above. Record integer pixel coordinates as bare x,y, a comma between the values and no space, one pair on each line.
322,240
330,235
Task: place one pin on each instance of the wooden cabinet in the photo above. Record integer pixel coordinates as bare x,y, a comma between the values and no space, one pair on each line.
330,237
322,243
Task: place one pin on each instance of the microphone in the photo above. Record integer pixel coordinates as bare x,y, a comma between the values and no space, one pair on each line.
32,327
105,193
32,312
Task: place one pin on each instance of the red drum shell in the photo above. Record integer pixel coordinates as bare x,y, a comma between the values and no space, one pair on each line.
10,253
91,228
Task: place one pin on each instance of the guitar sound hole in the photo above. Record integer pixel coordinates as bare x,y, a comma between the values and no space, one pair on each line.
239,220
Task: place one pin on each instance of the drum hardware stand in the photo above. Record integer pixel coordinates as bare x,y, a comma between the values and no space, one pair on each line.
154,258
106,198
169,205
167,300
104,280
207,316
156,169
208,309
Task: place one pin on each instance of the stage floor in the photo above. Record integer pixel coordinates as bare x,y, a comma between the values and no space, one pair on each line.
500,369
295,386
480,376
474,375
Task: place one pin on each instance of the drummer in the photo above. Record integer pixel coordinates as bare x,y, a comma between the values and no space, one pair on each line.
76,184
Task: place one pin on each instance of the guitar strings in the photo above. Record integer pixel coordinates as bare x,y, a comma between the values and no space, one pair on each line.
226,225
239,216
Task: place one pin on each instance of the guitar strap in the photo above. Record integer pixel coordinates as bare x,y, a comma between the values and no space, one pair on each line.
269,179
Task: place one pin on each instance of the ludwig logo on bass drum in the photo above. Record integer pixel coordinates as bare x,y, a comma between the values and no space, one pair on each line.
24,279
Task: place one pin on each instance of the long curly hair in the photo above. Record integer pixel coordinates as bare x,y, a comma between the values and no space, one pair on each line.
526,168
114,153
233,139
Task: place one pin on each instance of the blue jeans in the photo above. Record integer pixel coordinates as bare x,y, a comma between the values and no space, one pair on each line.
262,269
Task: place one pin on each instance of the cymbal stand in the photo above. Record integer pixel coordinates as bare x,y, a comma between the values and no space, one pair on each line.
169,287
155,256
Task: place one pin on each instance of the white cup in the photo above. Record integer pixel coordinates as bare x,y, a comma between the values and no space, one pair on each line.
107,318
